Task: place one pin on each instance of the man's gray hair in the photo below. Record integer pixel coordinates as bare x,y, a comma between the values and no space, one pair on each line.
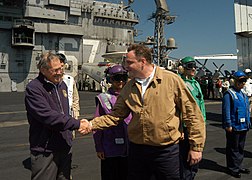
45,59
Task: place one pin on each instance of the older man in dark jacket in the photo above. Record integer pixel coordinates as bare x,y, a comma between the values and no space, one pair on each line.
51,126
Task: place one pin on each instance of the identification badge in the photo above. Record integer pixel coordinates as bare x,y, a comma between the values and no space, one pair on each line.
64,93
242,120
119,140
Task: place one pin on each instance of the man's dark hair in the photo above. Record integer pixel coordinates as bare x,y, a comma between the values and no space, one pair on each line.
141,51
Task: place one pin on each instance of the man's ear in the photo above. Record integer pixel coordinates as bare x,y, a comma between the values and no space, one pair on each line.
143,60
42,70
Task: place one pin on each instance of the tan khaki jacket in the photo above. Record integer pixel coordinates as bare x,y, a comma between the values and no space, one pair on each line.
156,120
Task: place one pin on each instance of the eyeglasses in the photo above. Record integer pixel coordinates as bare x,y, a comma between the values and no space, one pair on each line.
242,80
190,65
54,71
120,77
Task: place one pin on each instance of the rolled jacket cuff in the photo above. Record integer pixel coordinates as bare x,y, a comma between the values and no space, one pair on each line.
197,147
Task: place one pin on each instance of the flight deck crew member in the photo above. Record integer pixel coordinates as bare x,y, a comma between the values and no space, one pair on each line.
50,133
236,122
225,85
73,94
112,144
156,98
72,91
210,87
247,89
188,172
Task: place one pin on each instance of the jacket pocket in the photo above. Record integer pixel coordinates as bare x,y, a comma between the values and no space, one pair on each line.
241,115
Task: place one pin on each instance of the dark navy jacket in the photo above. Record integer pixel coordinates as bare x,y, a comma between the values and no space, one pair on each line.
48,115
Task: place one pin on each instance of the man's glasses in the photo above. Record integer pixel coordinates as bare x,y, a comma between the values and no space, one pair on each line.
54,71
120,77
190,65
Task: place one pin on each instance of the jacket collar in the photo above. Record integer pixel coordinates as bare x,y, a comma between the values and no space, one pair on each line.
158,76
43,79
190,80
111,91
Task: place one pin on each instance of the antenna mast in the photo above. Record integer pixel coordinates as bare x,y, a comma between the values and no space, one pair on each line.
162,17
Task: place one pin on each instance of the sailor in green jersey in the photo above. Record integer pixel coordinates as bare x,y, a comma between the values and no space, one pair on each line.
187,73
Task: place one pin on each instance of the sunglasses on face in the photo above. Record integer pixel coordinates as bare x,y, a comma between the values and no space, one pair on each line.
120,77
190,65
242,80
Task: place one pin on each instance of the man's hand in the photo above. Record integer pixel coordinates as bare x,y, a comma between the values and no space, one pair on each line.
101,155
229,129
85,127
194,157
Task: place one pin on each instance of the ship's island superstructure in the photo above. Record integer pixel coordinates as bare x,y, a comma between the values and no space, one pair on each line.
81,29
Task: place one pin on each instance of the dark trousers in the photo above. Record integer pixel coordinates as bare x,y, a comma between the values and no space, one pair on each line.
187,172
146,161
114,168
51,166
235,149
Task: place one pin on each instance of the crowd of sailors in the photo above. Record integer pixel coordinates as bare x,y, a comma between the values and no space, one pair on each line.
214,88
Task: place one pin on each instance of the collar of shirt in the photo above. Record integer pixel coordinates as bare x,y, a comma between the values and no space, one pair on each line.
111,91
145,82
46,80
193,80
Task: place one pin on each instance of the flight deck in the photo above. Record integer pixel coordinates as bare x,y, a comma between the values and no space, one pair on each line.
14,146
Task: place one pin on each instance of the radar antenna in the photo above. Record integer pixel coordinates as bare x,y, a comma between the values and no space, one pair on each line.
162,17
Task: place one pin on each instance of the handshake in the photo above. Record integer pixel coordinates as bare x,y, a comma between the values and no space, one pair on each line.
85,127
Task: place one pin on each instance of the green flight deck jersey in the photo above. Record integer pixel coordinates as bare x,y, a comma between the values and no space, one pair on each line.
194,88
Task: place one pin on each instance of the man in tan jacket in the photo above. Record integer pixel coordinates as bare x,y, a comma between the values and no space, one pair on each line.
156,98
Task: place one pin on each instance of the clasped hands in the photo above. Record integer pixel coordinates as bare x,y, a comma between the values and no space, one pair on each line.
85,127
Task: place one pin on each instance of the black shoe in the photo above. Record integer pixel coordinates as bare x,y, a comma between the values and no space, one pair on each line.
235,174
244,171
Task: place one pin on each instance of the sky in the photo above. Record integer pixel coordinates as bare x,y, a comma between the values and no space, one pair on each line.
200,28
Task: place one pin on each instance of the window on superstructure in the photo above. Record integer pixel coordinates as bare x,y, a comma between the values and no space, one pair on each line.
11,3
